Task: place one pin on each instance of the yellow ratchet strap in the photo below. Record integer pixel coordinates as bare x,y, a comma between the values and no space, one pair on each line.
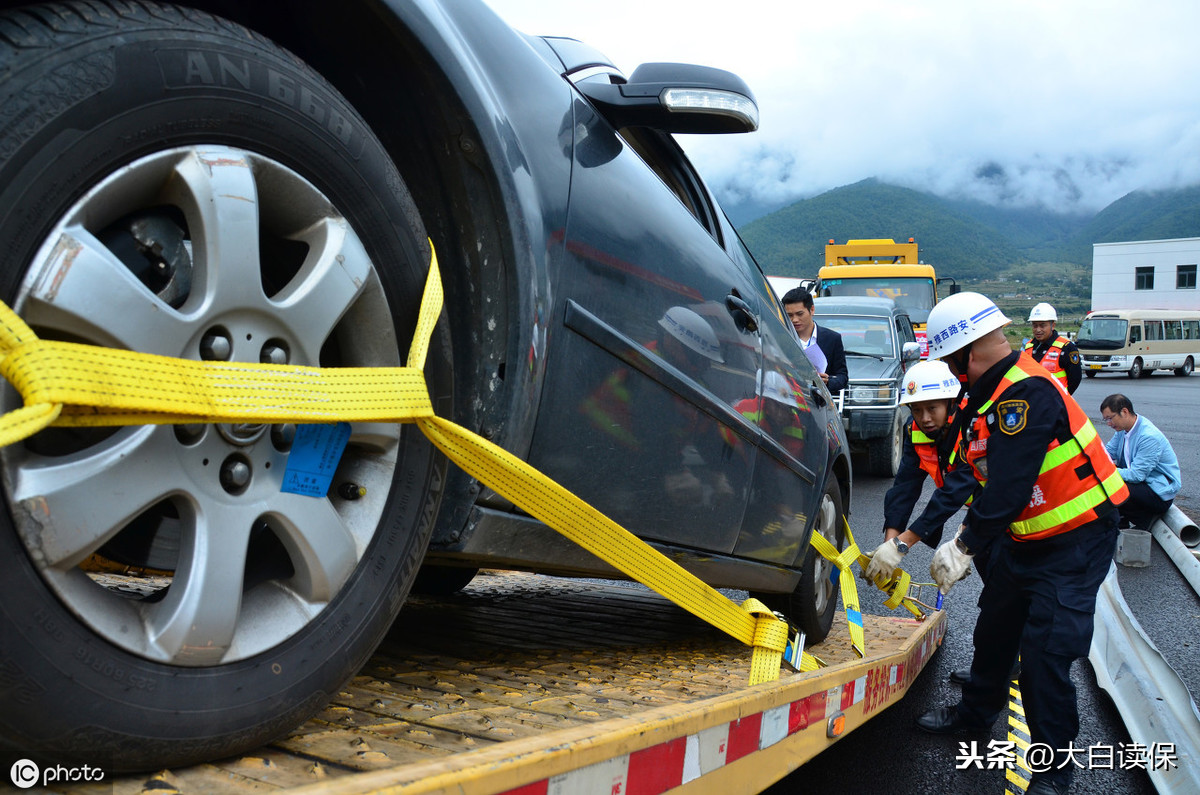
72,384
897,586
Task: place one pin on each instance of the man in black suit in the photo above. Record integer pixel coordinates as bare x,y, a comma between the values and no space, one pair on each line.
798,304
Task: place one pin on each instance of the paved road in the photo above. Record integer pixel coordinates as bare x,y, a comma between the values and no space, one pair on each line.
889,753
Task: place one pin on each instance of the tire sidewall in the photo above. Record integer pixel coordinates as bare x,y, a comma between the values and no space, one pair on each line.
802,602
71,695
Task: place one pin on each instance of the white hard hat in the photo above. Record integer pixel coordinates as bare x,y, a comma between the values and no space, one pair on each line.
960,319
1042,311
776,387
929,380
693,331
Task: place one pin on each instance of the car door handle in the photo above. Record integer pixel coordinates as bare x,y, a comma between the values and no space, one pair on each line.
817,397
743,318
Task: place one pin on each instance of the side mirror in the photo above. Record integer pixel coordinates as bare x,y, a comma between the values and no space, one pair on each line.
676,98
910,351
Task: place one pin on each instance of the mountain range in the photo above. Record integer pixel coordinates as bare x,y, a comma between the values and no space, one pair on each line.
971,241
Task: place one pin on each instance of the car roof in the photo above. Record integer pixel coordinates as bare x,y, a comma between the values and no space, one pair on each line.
853,305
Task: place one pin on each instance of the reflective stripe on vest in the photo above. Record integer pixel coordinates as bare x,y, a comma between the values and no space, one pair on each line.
1052,359
752,410
927,455
1061,500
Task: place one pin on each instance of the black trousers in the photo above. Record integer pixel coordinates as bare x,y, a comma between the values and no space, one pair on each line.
1143,505
1039,598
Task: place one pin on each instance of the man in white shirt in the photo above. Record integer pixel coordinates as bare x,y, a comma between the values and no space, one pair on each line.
822,345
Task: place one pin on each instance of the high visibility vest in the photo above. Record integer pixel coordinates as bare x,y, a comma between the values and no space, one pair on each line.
791,437
610,411
927,455
1062,499
1052,359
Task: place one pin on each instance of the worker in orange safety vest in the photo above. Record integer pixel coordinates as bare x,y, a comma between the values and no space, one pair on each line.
1055,352
1048,501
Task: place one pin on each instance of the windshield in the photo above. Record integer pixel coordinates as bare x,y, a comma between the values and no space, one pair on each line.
862,336
912,294
1102,332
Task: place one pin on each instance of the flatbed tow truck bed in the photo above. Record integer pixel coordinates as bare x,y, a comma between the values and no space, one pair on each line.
532,684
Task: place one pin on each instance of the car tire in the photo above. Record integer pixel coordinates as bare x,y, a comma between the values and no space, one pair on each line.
1135,369
443,580
812,605
124,111
884,453
1186,370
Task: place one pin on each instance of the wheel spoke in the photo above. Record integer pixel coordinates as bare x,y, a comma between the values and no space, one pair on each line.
330,280
196,621
216,190
64,298
323,550
376,437
123,478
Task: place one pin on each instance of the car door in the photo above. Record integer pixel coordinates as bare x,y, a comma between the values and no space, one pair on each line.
655,344
794,441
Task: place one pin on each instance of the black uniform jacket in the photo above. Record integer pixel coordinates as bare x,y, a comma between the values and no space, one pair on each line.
1015,448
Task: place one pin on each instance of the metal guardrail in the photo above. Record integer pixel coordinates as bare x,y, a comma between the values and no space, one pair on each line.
1153,700
1174,544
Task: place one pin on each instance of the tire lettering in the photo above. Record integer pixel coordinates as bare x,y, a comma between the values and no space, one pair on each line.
47,624
18,686
228,70
106,667
217,69
277,88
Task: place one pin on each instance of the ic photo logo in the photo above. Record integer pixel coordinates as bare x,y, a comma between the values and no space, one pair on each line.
25,773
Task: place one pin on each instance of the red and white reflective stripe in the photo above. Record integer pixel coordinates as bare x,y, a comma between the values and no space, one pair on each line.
661,767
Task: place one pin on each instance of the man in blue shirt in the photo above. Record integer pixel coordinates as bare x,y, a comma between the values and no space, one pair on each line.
1144,458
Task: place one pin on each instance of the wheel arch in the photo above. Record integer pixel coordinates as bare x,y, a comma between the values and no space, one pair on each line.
409,68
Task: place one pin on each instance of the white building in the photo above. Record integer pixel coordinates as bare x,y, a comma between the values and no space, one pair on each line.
1146,274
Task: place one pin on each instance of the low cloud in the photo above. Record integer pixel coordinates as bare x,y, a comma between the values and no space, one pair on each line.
1067,105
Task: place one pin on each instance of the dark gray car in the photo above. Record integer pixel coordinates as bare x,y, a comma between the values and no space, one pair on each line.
222,181
880,345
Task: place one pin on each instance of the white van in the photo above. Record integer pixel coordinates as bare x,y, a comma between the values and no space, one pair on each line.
1137,341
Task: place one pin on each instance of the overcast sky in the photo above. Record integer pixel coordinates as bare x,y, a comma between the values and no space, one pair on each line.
1066,103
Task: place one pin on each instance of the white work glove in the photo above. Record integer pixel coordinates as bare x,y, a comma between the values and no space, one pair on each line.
884,560
950,564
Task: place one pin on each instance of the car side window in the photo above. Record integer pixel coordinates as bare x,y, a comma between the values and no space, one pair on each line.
905,330
666,159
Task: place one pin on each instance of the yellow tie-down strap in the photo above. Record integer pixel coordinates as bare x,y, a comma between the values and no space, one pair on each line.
897,587
83,385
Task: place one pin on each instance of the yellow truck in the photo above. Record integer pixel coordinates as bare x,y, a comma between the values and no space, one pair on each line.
883,268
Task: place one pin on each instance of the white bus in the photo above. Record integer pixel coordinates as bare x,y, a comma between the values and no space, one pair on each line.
1138,341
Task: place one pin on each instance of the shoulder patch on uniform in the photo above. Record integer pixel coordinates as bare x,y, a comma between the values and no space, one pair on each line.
1013,414
1074,357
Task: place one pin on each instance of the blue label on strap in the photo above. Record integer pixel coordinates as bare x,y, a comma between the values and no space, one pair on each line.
316,452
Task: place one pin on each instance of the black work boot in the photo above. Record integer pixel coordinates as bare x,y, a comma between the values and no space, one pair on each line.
945,720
